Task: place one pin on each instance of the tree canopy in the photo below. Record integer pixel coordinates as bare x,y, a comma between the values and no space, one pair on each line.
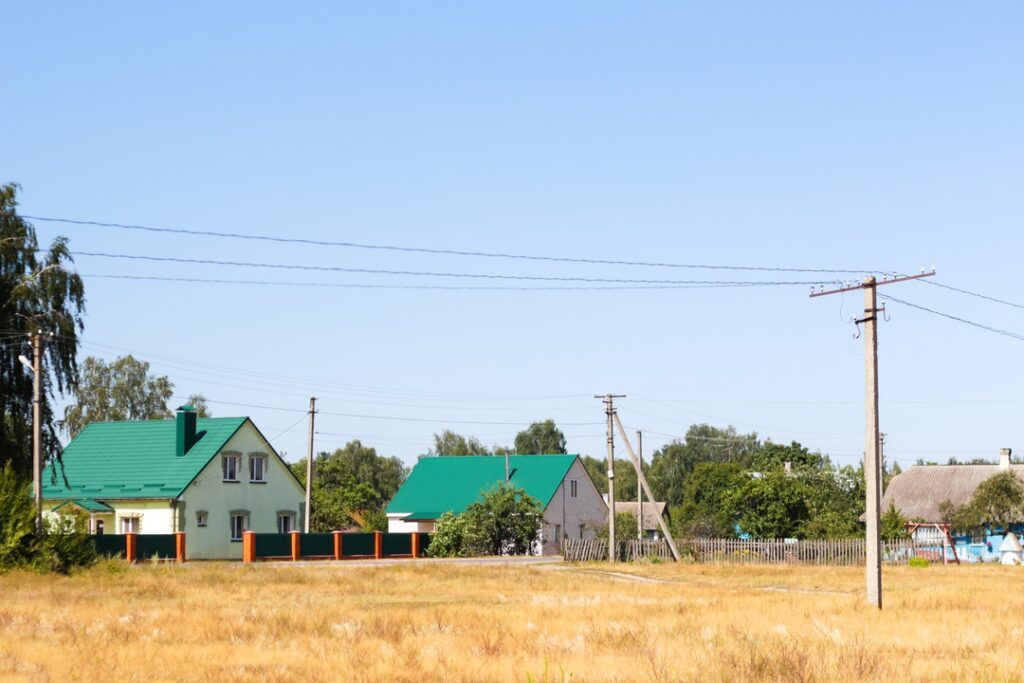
450,443
540,438
121,390
351,485
38,292
673,463
505,521
997,502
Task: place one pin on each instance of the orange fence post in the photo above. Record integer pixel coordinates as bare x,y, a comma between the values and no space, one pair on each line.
378,545
296,546
179,545
248,546
415,544
129,547
337,545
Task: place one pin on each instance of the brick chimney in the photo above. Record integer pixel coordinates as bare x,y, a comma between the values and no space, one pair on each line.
1004,458
186,429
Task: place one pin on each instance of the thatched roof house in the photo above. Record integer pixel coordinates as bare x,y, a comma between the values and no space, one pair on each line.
919,491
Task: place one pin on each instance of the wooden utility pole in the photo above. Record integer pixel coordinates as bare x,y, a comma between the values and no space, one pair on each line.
609,411
872,461
647,489
37,426
639,492
309,467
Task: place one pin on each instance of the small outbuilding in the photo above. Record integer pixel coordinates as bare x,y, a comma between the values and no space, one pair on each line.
651,512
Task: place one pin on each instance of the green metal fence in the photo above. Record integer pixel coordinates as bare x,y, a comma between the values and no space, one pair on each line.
161,546
109,545
357,545
397,544
273,545
316,545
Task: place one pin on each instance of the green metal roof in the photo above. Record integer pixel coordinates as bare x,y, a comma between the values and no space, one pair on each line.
87,504
116,460
452,483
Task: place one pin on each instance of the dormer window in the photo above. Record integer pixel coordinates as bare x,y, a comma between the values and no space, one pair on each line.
230,465
257,467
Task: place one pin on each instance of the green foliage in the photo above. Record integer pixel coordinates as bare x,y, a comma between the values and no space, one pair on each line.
198,401
673,463
450,443
375,520
893,524
540,438
626,527
703,510
919,562
39,290
506,521
772,456
17,519
771,506
597,468
121,390
997,502
353,479
62,547
454,537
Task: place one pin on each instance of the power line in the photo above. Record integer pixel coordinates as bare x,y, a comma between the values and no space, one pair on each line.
974,294
989,328
421,273
444,252
346,285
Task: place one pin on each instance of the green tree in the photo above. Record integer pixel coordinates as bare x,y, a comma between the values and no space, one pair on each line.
673,463
121,390
774,456
505,521
454,537
771,506
997,503
198,401
893,524
351,482
703,511
450,443
540,438
626,527
38,291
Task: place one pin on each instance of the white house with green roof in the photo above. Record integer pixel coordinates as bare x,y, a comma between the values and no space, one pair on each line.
573,506
212,478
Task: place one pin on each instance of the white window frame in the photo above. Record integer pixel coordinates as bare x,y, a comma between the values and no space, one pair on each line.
126,524
244,516
202,517
290,516
255,458
574,488
230,457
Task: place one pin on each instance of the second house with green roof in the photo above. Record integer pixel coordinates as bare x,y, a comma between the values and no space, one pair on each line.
212,478
573,507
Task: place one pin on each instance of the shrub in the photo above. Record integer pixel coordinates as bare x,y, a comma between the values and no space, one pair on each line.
506,521
918,562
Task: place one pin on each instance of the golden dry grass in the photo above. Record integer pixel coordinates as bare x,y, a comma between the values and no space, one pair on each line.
403,622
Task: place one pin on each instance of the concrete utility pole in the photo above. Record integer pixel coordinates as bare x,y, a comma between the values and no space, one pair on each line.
639,491
872,461
647,489
37,426
609,411
309,467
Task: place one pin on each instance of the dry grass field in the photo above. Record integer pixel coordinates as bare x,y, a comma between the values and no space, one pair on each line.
405,622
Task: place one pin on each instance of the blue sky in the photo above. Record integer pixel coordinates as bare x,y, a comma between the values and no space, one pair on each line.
800,135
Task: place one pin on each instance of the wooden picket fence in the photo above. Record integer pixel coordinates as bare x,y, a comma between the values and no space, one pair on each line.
833,552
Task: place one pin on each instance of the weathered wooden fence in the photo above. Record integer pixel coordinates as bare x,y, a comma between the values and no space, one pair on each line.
835,552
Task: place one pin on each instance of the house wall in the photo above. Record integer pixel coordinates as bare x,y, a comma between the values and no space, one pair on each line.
578,517
397,525
218,498
155,516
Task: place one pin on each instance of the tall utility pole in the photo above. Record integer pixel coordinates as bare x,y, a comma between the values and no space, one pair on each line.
309,467
639,491
872,462
609,411
37,426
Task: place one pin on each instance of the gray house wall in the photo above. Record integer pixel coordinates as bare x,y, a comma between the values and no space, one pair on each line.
578,517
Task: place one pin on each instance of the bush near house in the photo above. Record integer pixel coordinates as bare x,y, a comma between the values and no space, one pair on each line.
506,521
61,548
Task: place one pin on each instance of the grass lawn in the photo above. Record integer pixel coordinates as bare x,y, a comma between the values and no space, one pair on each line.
408,622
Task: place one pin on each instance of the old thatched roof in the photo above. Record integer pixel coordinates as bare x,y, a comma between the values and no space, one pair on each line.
920,490
650,516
